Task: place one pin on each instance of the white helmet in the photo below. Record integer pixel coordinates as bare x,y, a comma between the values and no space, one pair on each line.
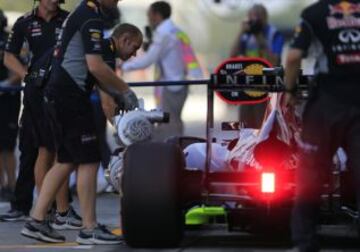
133,127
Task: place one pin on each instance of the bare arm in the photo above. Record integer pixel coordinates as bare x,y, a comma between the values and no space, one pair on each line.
108,104
12,63
104,74
293,64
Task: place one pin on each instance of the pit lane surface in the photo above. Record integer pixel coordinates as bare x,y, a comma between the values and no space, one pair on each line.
212,238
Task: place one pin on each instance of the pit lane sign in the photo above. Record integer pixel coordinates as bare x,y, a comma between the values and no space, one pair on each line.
243,67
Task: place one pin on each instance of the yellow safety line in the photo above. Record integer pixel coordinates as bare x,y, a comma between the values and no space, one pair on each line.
117,231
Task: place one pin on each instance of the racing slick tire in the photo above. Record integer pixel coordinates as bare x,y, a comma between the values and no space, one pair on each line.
151,203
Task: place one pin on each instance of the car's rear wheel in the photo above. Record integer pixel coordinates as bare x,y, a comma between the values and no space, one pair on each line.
151,205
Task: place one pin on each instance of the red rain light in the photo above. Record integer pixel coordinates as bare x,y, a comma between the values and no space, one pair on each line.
268,182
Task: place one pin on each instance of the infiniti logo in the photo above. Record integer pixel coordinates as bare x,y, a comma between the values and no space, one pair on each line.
348,36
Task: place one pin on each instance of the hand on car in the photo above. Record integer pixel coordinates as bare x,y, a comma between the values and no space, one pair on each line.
127,100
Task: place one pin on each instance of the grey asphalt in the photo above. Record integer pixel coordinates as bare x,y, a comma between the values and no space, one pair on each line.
209,238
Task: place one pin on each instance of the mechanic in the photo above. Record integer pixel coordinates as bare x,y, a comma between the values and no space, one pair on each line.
257,38
330,32
39,29
111,20
80,63
174,59
9,113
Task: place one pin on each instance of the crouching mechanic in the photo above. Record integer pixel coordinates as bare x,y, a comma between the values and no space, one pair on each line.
79,64
332,114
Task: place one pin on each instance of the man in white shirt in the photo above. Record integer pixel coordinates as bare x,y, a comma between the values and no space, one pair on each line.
174,59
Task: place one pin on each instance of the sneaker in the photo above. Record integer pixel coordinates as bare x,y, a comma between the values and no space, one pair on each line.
41,230
14,215
99,235
70,221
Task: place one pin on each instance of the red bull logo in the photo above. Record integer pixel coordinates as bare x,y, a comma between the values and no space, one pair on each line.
345,8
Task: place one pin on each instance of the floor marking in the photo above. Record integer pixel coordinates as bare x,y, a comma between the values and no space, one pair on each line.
117,231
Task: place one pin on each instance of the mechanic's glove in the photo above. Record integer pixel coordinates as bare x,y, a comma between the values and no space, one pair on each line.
127,101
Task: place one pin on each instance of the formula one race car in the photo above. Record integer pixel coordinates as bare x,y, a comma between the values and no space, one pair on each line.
250,180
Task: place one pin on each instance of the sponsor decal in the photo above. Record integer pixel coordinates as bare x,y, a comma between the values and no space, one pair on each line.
88,138
94,30
238,69
344,48
349,36
36,34
95,36
343,15
349,41
343,59
254,69
344,8
347,22
36,30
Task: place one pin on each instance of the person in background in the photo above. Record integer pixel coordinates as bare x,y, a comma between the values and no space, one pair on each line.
260,39
174,60
9,113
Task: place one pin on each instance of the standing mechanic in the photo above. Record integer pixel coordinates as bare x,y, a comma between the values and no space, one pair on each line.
330,31
9,113
175,60
39,28
80,63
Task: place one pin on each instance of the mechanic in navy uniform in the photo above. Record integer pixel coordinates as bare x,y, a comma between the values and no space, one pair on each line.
9,113
80,63
39,29
329,31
